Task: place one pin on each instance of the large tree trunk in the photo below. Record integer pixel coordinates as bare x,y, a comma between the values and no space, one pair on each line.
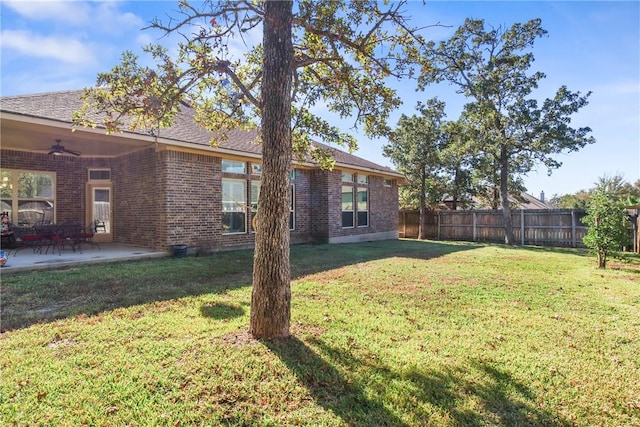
504,197
271,296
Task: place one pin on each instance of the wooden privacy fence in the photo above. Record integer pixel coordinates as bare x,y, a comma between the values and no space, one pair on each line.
540,227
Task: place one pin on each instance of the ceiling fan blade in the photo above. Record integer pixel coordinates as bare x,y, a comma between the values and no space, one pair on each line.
58,149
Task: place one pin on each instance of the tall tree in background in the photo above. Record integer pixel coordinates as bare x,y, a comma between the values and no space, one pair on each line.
457,162
414,148
614,185
577,200
336,53
484,168
490,66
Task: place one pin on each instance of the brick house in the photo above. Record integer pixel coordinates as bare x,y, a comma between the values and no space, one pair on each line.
174,187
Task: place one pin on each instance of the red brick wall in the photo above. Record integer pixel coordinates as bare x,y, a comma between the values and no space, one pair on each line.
136,212
383,205
319,202
193,199
383,208
168,197
302,209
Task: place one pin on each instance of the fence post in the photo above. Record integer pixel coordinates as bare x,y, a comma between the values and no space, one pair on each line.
438,225
475,230
521,227
573,228
404,224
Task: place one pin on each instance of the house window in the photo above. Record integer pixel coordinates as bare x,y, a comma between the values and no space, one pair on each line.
363,206
292,208
388,183
355,200
234,206
347,177
255,194
27,196
99,174
233,166
256,169
347,206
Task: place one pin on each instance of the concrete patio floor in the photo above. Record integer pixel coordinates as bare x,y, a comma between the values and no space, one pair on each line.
27,260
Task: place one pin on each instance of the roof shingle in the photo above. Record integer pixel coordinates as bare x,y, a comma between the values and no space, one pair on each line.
59,106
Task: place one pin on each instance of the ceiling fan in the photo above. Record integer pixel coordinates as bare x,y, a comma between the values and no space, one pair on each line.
57,149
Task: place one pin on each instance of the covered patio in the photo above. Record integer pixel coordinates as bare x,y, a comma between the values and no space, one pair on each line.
27,260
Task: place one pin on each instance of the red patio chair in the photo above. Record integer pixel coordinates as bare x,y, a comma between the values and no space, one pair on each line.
86,236
33,241
49,236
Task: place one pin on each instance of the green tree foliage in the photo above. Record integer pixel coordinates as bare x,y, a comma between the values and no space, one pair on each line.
457,163
616,187
484,179
606,222
337,54
490,66
577,200
415,148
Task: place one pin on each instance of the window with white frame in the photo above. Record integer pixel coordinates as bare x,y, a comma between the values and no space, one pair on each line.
347,177
347,207
292,208
99,174
255,195
355,200
234,205
363,206
234,166
388,183
28,196
236,212
256,169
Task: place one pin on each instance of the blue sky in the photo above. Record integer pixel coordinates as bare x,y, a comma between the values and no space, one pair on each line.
591,46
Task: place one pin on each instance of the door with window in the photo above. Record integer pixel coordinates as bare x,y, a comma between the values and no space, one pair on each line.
99,213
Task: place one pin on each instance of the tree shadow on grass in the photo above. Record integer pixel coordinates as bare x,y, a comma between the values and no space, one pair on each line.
329,388
444,394
579,252
220,311
47,295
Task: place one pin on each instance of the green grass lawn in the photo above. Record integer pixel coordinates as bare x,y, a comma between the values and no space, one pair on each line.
401,333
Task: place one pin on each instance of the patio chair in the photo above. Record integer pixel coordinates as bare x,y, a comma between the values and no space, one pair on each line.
29,239
99,224
49,236
69,234
86,236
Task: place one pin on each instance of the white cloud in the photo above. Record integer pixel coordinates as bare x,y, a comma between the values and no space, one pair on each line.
63,49
103,16
74,12
109,19
143,39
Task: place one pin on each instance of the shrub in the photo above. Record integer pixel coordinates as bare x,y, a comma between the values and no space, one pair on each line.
606,222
